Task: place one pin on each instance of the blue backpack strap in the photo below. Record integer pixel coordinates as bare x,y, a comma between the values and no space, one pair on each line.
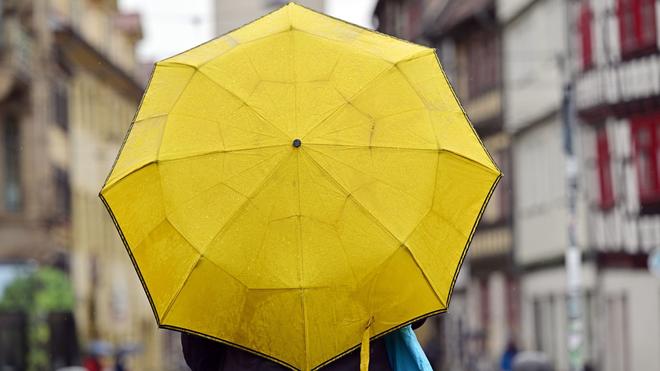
404,351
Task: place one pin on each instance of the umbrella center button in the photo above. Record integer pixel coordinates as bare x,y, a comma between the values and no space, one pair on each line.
296,143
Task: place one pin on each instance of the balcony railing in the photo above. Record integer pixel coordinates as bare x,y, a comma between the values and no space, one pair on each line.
619,83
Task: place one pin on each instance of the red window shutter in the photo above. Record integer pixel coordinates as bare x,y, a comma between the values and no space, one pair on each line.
625,25
628,27
584,25
637,27
604,173
647,33
636,9
512,304
414,19
645,144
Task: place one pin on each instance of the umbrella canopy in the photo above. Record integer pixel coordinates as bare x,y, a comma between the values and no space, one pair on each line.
297,184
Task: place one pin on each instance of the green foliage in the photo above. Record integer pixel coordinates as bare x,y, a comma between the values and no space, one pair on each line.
18,295
56,293
44,290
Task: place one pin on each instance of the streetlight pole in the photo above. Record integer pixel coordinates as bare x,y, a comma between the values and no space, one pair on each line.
573,258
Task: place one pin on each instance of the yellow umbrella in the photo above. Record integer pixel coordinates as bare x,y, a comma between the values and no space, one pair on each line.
297,185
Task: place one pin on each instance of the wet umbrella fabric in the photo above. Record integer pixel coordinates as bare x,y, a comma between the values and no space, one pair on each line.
297,185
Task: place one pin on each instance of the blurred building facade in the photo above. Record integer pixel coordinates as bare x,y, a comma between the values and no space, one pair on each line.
535,69
34,167
468,38
485,313
526,51
95,46
68,92
617,59
231,14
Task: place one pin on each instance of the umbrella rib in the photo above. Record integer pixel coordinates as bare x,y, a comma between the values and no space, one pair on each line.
178,291
223,182
208,153
341,129
176,229
408,129
334,227
255,192
185,281
464,157
229,221
375,120
248,131
162,134
435,135
435,185
128,173
135,120
328,117
473,161
425,101
349,194
238,43
244,102
374,218
359,92
451,89
442,301
412,86
372,176
349,100
300,234
254,68
262,243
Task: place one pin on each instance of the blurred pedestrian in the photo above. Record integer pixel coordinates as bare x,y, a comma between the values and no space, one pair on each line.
120,361
202,354
506,363
92,363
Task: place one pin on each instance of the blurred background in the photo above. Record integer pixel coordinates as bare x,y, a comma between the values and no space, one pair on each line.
530,74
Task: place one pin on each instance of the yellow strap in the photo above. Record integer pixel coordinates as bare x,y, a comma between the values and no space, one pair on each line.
364,348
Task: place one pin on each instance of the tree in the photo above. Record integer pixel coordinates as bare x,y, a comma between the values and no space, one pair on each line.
37,294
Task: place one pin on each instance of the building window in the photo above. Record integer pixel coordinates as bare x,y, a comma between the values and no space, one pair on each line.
606,199
12,165
484,303
584,25
274,4
413,23
617,354
545,325
646,144
504,188
499,206
62,194
483,68
512,306
61,105
538,323
637,27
